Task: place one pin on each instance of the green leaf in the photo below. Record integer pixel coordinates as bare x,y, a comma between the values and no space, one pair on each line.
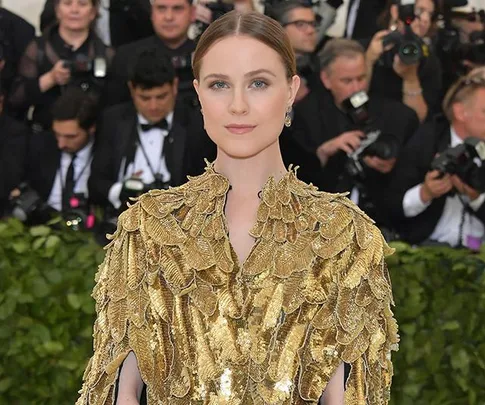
20,246
53,347
451,325
38,243
74,301
40,230
40,288
5,384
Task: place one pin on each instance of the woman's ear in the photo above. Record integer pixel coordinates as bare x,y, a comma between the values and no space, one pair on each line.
294,86
195,83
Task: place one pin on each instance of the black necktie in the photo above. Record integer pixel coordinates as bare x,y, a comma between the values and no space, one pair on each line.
68,189
163,124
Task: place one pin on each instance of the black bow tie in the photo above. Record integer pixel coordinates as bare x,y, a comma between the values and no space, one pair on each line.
163,124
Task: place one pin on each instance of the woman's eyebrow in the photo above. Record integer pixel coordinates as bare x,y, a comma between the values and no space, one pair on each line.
249,74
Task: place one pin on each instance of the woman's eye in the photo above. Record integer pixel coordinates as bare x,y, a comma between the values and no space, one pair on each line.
259,84
218,85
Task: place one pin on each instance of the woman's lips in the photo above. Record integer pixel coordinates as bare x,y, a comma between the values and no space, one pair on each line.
240,129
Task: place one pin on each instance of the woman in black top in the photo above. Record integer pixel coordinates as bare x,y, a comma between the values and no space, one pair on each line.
69,54
417,85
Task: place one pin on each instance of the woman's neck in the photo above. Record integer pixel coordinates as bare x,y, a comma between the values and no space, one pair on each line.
249,175
73,38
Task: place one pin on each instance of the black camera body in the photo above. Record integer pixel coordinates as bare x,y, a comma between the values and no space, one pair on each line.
83,65
409,47
459,160
78,216
375,143
29,207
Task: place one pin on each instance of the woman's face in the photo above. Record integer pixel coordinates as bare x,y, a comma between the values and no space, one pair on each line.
245,93
424,11
76,15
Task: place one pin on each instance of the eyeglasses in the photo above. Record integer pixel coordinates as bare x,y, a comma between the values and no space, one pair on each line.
303,24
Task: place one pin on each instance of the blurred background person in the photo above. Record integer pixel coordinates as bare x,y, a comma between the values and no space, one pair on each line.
438,191
14,137
15,35
69,54
58,165
143,144
171,20
402,64
119,22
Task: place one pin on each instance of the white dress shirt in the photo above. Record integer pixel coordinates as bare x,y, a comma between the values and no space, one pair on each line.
352,18
102,22
448,227
152,143
82,170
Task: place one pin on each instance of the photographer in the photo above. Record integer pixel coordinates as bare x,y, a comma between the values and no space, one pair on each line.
13,149
461,41
15,35
58,164
401,64
438,190
171,20
142,144
300,23
120,21
68,55
335,134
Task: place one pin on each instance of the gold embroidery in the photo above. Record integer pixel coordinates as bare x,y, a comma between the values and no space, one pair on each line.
314,292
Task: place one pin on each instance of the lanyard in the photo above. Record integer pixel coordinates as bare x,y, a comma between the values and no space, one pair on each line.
145,155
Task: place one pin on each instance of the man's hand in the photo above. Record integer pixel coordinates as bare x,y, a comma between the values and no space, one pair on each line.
381,165
406,72
376,47
434,186
464,188
346,142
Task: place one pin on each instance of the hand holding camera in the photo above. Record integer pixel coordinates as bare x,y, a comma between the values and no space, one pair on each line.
60,73
346,142
435,185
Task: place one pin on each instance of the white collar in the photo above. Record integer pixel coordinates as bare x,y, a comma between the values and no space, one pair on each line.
143,120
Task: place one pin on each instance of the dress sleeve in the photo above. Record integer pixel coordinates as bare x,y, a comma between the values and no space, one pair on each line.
126,284
355,323
25,88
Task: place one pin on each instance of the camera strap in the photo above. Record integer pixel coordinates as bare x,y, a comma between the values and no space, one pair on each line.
166,142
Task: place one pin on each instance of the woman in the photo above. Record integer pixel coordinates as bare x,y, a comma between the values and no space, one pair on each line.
244,285
69,54
417,85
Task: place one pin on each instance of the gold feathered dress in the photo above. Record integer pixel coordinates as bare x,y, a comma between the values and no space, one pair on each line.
313,292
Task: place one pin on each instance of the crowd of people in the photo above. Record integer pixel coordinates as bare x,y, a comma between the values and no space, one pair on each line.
100,108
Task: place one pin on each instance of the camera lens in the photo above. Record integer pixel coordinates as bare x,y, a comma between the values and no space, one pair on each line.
410,53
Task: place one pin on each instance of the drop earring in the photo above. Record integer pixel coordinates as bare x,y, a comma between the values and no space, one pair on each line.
288,117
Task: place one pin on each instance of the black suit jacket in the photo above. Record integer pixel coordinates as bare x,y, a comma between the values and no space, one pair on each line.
14,138
44,159
432,137
127,24
318,119
117,90
367,15
116,140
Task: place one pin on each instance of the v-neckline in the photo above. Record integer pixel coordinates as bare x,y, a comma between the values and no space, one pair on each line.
277,185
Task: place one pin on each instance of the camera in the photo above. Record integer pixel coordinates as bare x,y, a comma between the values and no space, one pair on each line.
78,215
29,207
83,65
459,160
375,143
409,47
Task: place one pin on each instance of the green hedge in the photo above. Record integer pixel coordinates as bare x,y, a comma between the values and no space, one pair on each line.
46,316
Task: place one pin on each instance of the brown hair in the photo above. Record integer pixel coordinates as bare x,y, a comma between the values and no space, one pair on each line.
337,47
95,3
252,24
462,90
